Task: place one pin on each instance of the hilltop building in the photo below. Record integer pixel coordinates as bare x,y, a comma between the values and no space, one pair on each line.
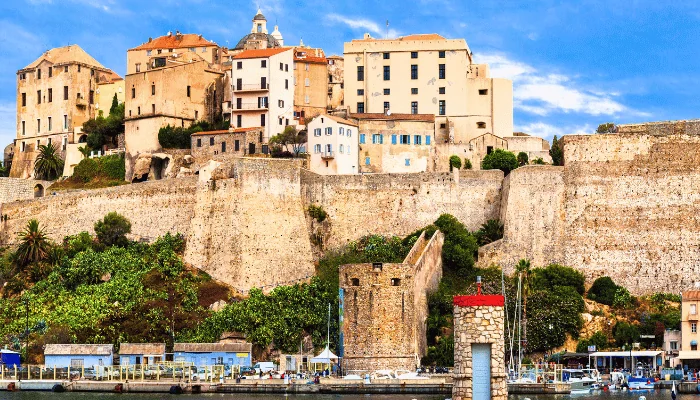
259,38
55,94
310,83
332,142
336,87
385,308
173,80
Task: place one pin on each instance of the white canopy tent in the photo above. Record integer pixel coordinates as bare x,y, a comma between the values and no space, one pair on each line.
326,357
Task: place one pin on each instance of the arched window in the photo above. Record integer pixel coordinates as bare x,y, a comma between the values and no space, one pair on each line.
38,191
82,139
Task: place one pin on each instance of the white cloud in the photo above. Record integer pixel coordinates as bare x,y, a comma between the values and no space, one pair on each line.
365,24
541,93
547,131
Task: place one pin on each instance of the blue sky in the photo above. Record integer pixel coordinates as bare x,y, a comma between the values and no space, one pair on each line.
574,64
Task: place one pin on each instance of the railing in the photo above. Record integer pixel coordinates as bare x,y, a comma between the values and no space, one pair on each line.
327,154
153,372
251,106
250,87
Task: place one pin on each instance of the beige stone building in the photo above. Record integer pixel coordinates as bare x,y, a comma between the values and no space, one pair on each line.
428,74
262,84
310,83
689,354
109,86
333,145
224,145
56,94
396,143
174,88
336,87
385,308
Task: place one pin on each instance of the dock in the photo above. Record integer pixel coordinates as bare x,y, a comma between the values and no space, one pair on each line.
539,388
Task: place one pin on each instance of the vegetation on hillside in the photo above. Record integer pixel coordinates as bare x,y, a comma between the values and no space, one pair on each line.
500,159
93,173
172,137
104,131
48,164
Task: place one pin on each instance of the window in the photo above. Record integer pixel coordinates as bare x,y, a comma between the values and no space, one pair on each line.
38,74
65,122
24,128
24,145
673,345
483,92
360,107
387,92
189,91
441,54
223,147
239,121
65,93
693,309
441,90
307,82
306,99
414,71
441,108
414,107
377,138
481,125
329,149
22,76
133,92
153,111
341,149
408,164
281,66
24,99
286,83
50,72
414,54
393,139
441,71
387,72
153,89
329,130
417,139
38,97
348,132
280,103
360,73
317,148
78,68
286,67
280,120
262,119
65,69
341,131
196,113
427,139
138,67
386,56
366,163
64,143
317,132
405,139
362,138
360,92
263,63
414,90
91,97
199,142
237,145
386,106
694,327
211,141
38,125
489,149
49,127
263,82
50,94
138,110
306,67
148,52
239,65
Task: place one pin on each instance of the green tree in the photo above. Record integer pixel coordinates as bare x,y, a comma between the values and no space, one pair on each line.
500,159
114,109
290,138
522,158
460,247
85,151
556,152
625,333
555,275
623,298
552,315
112,230
48,164
455,162
489,232
603,291
608,127
34,245
467,164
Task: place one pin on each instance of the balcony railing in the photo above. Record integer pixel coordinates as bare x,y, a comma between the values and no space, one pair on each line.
327,155
251,106
255,87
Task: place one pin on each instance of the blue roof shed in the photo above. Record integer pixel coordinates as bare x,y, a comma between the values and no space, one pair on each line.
78,355
202,354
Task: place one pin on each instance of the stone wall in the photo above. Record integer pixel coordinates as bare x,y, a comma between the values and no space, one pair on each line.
690,127
386,308
398,204
14,189
624,205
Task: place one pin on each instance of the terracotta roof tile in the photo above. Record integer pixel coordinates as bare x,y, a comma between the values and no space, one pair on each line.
62,55
110,78
395,117
341,120
691,295
223,131
259,53
176,42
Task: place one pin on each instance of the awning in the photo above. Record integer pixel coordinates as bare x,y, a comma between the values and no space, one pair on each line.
693,342
326,357
689,355
648,353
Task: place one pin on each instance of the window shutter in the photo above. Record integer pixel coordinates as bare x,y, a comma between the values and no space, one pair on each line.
393,139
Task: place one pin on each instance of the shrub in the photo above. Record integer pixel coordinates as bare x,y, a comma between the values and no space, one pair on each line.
522,158
460,247
113,167
603,291
500,159
555,275
623,298
467,164
171,137
538,161
317,213
455,162
625,333
86,170
551,314
489,232
112,230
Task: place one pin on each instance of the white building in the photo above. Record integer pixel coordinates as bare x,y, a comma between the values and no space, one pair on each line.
263,89
333,143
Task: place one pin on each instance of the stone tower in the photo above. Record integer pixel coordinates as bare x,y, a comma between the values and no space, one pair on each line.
479,372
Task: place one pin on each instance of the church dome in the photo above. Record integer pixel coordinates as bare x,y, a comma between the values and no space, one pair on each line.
271,41
259,16
277,35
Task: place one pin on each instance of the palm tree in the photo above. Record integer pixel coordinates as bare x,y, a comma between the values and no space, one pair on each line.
34,245
489,232
48,164
85,151
523,270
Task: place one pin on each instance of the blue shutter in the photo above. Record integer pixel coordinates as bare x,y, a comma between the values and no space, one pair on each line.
393,139
427,139
366,160
381,139
362,138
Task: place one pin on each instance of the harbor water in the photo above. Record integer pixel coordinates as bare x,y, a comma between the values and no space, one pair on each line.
651,395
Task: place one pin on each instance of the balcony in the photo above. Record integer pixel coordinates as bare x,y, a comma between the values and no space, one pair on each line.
251,88
80,102
327,155
250,107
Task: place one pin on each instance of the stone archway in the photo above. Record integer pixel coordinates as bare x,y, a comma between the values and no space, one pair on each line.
38,190
82,139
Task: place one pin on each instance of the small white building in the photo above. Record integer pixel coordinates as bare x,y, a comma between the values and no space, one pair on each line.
333,144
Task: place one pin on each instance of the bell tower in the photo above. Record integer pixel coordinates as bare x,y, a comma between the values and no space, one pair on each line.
259,23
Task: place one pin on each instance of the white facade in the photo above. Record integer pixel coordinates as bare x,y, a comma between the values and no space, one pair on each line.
333,144
262,85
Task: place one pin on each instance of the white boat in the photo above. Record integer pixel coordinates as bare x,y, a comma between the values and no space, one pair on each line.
582,380
408,375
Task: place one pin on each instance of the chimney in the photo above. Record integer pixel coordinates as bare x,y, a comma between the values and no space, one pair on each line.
150,39
170,33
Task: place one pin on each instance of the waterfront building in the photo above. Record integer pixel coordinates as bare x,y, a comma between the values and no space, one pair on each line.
141,353
208,354
78,355
689,355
